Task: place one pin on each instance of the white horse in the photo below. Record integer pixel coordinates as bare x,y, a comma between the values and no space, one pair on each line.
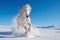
23,19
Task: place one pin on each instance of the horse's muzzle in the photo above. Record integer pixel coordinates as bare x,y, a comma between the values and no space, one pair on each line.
27,16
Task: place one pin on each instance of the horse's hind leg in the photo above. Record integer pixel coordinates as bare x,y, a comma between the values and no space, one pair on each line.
18,25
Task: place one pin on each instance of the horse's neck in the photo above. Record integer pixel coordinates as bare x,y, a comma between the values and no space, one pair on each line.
21,15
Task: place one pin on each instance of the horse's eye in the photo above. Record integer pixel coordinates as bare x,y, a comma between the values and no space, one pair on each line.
26,7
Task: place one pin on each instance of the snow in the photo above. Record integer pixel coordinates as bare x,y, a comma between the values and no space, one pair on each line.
44,34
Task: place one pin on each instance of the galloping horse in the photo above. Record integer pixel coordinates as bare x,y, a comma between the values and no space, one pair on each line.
23,19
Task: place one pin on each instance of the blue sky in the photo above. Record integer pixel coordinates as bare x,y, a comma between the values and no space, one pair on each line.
44,12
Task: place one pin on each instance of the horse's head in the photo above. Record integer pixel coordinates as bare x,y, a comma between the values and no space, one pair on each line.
27,9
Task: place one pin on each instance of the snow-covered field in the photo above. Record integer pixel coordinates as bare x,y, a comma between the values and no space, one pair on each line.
44,34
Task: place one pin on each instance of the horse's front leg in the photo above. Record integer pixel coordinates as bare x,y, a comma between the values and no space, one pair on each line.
29,28
25,29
